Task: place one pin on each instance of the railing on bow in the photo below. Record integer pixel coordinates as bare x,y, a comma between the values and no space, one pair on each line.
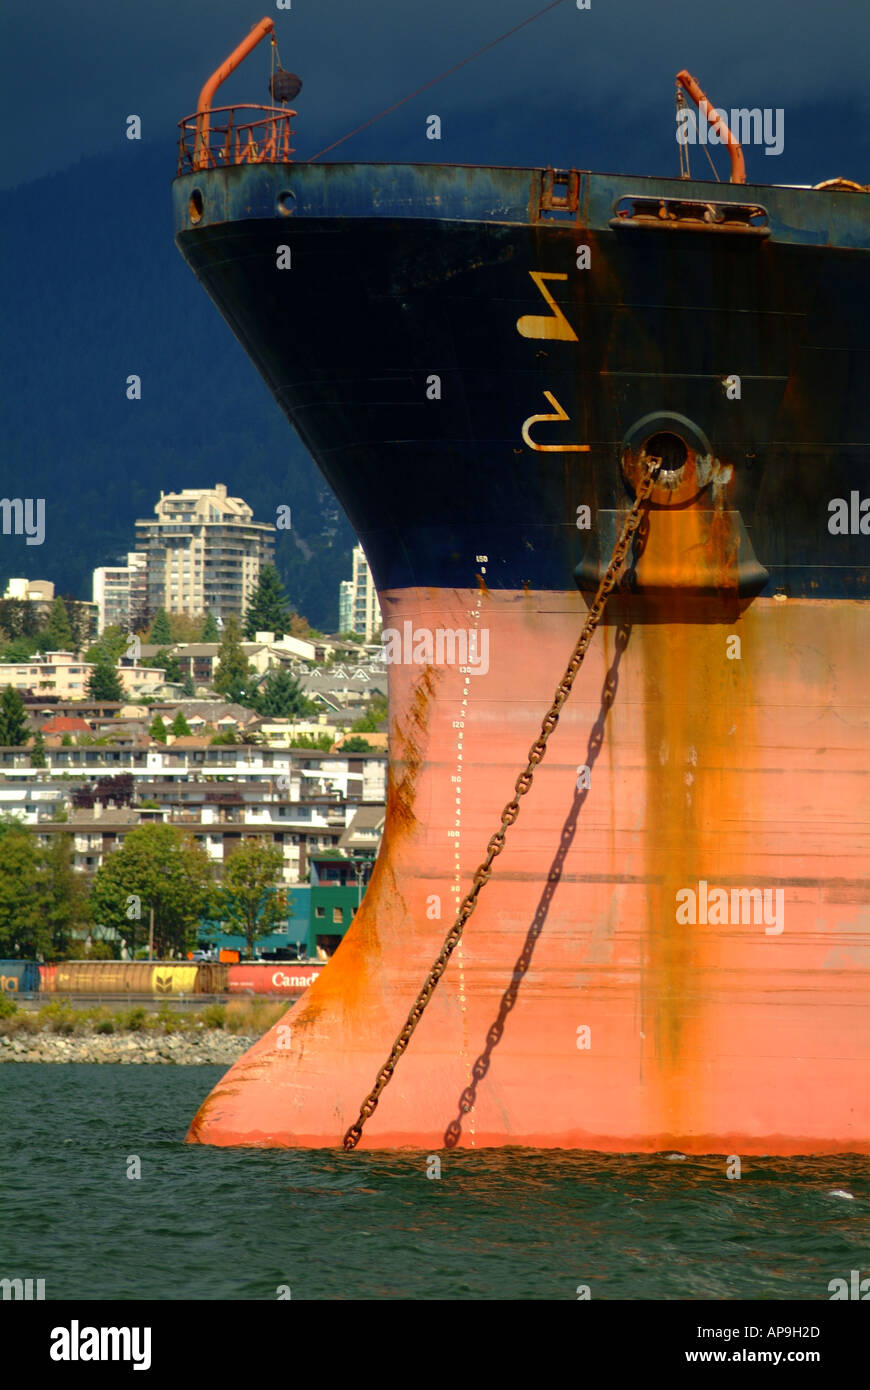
235,138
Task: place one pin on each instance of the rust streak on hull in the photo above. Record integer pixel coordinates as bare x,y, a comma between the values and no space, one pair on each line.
703,1038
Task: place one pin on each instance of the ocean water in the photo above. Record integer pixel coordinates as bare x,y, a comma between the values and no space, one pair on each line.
206,1223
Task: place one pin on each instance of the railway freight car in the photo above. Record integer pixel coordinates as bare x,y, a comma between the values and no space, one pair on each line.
19,977
138,977
267,977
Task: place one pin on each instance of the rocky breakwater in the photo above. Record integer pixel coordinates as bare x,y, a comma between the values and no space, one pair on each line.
209,1046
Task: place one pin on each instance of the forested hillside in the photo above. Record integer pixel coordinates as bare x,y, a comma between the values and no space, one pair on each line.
93,290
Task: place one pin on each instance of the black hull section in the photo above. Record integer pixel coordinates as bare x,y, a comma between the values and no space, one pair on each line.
393,346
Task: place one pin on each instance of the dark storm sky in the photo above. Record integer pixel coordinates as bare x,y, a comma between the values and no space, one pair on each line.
589,88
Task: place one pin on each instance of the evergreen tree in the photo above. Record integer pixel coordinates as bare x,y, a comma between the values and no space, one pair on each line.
267,610
188,687
37,752
179,725
161,632
158,730
18,618
57,635
281,696
103,681
168,662
79,620
13,720
233,675
210,630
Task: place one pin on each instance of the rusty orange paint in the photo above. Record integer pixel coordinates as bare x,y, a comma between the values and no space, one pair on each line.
748,771
220,75
719,124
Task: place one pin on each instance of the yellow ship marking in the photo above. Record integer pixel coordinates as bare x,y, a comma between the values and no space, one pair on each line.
551,448
546,325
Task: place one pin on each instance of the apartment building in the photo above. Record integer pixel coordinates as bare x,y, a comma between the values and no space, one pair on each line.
354,776
66,676
204,552
37,591
301,816
358,607
120,593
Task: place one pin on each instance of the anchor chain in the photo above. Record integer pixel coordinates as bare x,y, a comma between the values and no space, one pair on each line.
511,811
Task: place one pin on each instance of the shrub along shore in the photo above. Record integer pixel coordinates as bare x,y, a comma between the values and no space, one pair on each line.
56,1032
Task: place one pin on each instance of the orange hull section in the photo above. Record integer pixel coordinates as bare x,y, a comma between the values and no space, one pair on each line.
744,771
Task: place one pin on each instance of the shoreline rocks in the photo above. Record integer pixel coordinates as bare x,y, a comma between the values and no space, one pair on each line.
211,1047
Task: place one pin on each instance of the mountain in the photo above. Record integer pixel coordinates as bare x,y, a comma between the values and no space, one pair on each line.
94,290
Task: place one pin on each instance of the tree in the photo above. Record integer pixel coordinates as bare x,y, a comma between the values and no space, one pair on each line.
158,729
18,618
184,627
57,635
267,610
251,900
110,647
355,744
20,648
187,686
61,896
233,673
226,736
281,696
210,631
23,931
13,720
179,725
104,682
372,720
161,632
37,752
79,615
155,867
323,741
168,662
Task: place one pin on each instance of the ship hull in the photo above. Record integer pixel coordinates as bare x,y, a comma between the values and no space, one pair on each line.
676,956
593,1017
